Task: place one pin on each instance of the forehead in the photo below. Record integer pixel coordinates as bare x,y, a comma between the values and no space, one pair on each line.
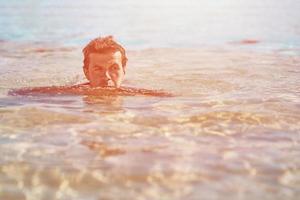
107,57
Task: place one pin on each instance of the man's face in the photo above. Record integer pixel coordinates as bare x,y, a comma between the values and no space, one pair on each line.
105,67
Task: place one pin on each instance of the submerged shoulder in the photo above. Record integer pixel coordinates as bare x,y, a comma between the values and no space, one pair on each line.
85,89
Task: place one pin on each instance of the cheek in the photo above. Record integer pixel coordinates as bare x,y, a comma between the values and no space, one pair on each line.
118,75
94,75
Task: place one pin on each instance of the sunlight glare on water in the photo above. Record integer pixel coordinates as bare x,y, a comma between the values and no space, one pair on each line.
231,131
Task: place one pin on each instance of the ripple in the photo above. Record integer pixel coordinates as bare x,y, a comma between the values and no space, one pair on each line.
231,117
30,117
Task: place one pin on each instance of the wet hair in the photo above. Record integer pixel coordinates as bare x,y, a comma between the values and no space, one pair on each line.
103,45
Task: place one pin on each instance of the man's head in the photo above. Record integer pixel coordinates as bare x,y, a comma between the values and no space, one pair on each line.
104,60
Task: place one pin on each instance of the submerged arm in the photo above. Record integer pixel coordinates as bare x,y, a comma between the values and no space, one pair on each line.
85,89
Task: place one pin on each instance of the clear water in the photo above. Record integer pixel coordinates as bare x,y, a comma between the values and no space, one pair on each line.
156,23
231,132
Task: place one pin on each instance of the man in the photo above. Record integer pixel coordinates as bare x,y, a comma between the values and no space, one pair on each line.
104,61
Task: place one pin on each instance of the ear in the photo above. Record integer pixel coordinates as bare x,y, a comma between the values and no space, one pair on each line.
86,72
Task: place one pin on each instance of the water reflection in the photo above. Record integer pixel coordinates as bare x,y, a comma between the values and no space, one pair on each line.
232,126
103,104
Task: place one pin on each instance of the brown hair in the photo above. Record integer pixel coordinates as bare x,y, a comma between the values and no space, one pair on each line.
102,45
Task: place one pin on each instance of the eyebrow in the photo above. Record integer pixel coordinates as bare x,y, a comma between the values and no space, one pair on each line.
108,67
98,66
114,64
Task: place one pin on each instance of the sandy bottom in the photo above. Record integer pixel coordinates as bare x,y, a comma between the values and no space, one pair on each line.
231,130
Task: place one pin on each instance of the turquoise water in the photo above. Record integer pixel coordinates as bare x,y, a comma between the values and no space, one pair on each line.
140,24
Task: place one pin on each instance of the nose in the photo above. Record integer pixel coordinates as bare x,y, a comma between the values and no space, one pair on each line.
107,76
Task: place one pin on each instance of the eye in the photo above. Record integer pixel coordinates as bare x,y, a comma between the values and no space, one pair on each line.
115,67
98,68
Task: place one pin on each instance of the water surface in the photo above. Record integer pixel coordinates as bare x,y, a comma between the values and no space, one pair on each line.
231,131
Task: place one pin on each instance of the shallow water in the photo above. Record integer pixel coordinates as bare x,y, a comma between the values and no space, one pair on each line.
231,131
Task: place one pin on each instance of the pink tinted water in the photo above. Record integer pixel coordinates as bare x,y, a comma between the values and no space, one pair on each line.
231,131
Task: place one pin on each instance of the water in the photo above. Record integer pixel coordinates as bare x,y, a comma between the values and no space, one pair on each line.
230,132
143,24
